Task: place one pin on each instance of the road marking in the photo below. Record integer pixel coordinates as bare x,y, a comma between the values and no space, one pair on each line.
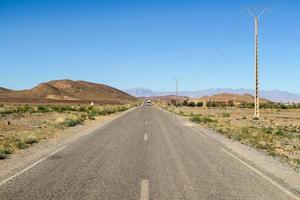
262,175
145,189
198,132
31,166
146,137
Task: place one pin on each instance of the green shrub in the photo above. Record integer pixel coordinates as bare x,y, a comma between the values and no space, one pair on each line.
3,155
225,115
279,132
24,109
42,109
191,104
70,122
199,104
211,104
4,152
202,119
31,140
21,144
82,109
268,130
242,134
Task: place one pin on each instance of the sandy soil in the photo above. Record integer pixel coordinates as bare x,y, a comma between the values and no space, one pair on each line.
25,157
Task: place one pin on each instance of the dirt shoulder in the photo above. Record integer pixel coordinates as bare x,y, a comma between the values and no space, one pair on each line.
277,132
25,157
273,167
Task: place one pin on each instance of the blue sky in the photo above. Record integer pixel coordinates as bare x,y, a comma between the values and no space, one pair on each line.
125,44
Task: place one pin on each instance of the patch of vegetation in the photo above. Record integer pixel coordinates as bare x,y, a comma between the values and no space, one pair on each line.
31,140
199,104
26,132
202,119
21,144
225,115
242,134
4,152
71,122
191,104
278,136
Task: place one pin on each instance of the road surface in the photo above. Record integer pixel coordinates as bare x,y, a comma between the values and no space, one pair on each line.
145,154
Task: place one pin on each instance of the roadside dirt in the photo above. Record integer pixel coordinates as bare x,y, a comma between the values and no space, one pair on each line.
25,157
271,166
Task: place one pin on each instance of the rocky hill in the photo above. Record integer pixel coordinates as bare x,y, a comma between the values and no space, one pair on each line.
67,90
225,97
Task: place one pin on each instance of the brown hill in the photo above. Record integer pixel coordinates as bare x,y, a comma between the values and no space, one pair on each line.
68,90
5,91
226,97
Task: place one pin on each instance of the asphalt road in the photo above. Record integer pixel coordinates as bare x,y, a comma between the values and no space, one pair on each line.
145,154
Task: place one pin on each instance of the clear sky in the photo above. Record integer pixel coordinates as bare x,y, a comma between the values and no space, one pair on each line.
143,43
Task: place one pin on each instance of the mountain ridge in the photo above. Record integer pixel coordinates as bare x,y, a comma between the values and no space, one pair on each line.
273,95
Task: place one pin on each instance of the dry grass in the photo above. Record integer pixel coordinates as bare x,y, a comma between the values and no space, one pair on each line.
24,125
277,131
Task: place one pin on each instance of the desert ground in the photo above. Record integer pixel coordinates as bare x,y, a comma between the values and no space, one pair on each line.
21,126
277,131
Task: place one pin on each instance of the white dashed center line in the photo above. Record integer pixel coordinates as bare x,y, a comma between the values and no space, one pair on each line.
145,137
145,189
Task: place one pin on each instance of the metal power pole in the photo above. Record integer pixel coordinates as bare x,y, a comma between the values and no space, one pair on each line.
176,89
256,112
176,97
256,66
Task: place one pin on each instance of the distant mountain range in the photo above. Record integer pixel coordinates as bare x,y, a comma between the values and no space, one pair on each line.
273,95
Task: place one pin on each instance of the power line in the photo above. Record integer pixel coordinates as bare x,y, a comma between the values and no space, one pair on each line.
224,45
227,59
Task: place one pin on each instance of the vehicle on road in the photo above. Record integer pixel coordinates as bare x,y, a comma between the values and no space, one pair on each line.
148,103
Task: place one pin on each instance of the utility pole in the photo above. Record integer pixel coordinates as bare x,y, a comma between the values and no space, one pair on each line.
256,66
176,80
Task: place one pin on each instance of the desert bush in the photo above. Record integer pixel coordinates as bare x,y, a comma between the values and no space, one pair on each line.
173,102
199,104
3,155
43,109
211,104
185,103
71,122
202,119
191,104
31,140
24,109
21,144
246,105
225,115
4,152
242,134
7,111
267,130
279,132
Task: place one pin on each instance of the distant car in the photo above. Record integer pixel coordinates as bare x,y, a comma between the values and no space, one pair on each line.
148,103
